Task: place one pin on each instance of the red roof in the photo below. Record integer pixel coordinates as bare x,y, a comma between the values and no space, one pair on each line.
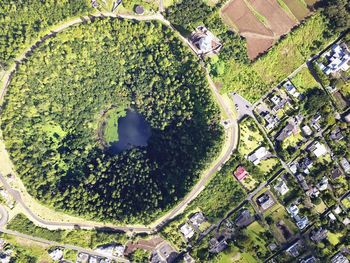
241,173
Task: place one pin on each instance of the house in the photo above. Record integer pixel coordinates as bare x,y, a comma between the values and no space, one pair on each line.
302,182
313,192
294,250
305,165
4,258
339,258
271,120
281,187
241,173
318,149
56,254
337,210
336,134
345,164
188,259
290,88
346,221
216,245
244,219
336,173
293,210
317,235
93,259
323,184
293,168
164,253
306,130
302,222
82,258
260,154
110,250
337,58
291,128
347,118
309,259
265,201
315,122
197,219
205,42
332,216
187,231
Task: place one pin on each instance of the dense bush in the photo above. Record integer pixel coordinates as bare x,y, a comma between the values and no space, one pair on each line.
54,104
23,21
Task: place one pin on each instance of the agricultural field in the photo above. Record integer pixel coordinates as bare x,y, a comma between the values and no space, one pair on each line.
262,22
255,79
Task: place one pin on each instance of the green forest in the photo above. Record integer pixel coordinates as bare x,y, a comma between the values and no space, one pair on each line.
54,104
24,21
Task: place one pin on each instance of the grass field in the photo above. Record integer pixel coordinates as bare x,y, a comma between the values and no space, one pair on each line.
253,80
251,138
303,81
334,238
110,132
346,202
30,248
232,254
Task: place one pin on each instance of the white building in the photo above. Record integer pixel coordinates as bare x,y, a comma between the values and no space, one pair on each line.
258,155
345,164
56,254
187,231
338,59
281,187
318,149
290,88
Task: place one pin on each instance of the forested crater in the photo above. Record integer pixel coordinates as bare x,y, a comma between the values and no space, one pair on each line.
56,99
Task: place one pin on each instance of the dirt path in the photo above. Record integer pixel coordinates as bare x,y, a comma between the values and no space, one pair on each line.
38,216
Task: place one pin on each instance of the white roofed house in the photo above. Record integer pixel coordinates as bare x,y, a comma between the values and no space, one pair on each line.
260,154
318,149
336,59
281,187
187,231
204,42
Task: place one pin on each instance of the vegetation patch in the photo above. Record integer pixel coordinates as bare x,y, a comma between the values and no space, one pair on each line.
110,62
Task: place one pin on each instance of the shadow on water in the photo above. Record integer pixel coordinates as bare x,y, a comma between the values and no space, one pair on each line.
133,131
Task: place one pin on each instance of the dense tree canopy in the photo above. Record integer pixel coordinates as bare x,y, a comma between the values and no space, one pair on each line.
54,102
338,13
23,21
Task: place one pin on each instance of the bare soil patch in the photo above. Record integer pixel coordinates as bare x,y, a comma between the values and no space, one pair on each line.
245,17
279,21
299,10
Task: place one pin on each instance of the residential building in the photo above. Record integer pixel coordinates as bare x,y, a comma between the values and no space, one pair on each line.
305,165
332,216
56,254
293,210
309,259
82,258
187,231
317,235
205,42
271,120
290,88
260,154
338,58
265,201
347,117
197,219
244,219
318,149
217,244
281,187
241,173
345,164
188,258
315,122
336,173
336,134
302,182
302,222
164,253
294,250
306,130
323,184
339,258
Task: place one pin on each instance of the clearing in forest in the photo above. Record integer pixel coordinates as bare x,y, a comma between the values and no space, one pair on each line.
262,23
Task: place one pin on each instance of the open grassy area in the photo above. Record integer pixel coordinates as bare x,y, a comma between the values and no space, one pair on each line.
303,81
110,132
83,238
232,254
250,137
253,80
346,202
334,238
292,140
25,249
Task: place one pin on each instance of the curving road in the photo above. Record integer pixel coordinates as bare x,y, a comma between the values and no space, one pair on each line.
231,137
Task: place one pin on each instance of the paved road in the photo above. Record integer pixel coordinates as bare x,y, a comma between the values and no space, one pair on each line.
230,145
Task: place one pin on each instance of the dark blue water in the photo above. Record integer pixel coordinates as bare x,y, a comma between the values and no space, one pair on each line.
133,131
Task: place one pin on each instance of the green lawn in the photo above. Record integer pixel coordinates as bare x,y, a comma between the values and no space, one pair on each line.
292,140
232,254
334,238
250,137
303,81
110,132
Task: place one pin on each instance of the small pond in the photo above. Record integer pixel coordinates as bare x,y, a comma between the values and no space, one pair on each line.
133,131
